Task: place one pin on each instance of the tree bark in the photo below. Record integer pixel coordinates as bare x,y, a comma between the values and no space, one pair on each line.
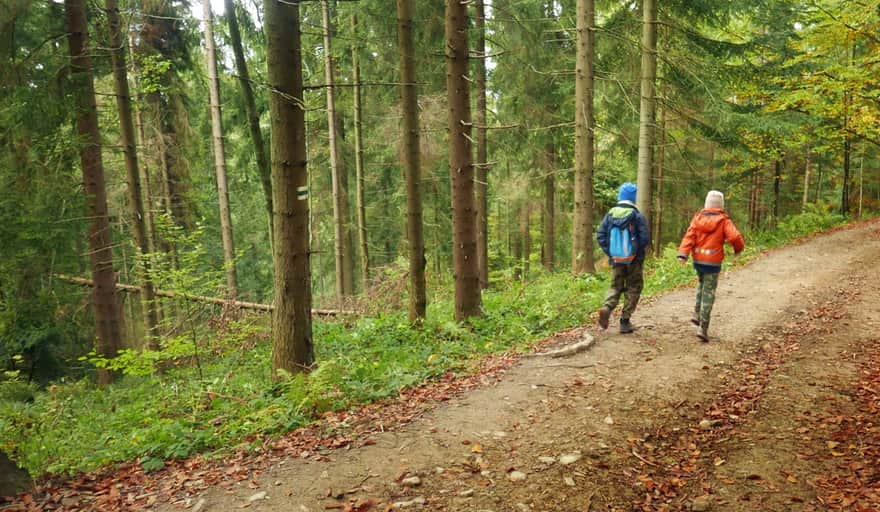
582,224
122,287
247,92
844,198
525,234
135,199
777,179
647,105
292,349
549,209
340,213
219,153
411,161
106,308
482,166
658,213
461,165
359,159
144,168
806,196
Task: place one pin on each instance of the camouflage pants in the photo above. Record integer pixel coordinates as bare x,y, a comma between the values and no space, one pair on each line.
626,280
705,296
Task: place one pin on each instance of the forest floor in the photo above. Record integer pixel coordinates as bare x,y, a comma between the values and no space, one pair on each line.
780,411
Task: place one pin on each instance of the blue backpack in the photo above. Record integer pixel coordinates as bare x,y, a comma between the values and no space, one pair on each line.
622,245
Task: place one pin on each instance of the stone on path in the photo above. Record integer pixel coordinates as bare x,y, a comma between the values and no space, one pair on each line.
412,481
258,496
569,458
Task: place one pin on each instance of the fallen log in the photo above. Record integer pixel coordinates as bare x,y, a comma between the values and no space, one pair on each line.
569,350
130,288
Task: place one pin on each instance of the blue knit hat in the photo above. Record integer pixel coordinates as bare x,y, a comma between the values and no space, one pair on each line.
627,192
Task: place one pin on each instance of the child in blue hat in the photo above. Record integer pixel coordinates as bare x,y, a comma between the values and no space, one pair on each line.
624,236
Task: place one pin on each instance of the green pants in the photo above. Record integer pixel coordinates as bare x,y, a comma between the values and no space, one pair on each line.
626,280
705,296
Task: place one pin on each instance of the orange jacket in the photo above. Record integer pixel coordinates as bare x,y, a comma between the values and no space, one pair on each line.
705,237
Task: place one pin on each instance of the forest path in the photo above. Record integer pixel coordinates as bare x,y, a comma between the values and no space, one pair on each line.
648,420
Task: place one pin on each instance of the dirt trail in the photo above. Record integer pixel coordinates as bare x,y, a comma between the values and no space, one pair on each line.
645,418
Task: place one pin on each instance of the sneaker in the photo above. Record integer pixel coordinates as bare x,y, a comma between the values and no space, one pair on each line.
604,315
626,326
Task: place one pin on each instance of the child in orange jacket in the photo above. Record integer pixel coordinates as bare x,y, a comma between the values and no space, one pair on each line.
704,240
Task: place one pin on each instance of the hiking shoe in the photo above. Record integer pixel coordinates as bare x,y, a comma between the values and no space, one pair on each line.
604,315
703,332
626,326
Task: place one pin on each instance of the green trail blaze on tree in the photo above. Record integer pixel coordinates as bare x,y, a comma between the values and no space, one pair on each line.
292,349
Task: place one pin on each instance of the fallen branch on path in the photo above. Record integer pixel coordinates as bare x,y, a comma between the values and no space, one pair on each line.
569,350
130,288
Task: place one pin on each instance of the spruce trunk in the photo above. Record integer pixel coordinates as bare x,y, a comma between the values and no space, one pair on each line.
482,165
340,215
777,179
806,196
135,199
647,106
359,160
253,117
658,212
292,349
582,224
106,309
411,161
549,209
525,234
219,154
461,165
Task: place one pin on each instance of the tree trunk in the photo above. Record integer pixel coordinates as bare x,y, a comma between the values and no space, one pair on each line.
145,171
806,196
348,241
292,349
411,161
525,234
647,105
219,153
861,183
107,315
777,179
515,241
438,253
461,165
135,200
844,198
247,92
582,224
482,166
548,254
359,159
254,306
658,212
339,198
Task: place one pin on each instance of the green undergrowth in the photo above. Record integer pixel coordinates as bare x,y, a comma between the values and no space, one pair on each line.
221,396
